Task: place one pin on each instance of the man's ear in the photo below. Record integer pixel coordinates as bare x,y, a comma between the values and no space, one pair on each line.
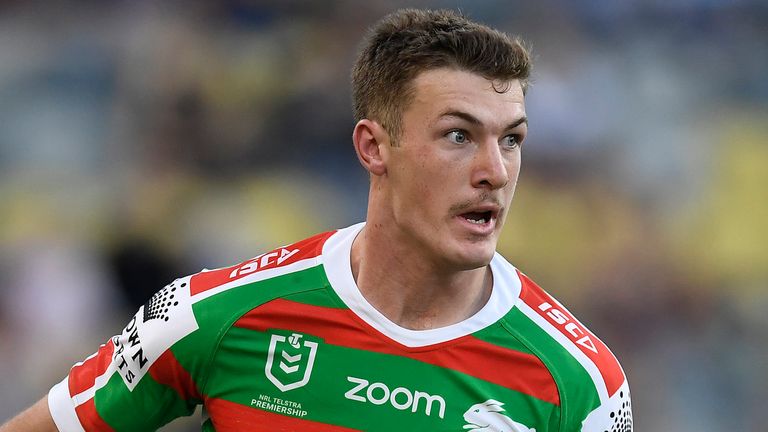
371,142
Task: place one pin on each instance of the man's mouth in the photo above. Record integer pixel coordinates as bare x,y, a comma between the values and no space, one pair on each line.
478,218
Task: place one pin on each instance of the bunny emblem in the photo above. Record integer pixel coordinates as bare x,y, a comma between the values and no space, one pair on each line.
488,417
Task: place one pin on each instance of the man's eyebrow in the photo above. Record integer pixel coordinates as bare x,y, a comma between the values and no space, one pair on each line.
518,122
462,115
475,121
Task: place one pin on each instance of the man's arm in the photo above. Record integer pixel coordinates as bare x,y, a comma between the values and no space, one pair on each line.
35,419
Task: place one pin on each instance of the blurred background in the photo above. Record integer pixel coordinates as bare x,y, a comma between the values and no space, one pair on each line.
145,140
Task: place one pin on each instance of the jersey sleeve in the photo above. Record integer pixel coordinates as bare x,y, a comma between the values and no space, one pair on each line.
593,388
141,379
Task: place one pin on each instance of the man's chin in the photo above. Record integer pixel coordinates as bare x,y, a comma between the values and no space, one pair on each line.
470,260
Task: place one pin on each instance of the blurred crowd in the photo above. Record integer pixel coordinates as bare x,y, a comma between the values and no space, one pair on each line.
143,140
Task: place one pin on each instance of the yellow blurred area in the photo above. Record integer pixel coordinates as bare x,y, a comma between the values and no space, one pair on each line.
273,209
725,236
561,233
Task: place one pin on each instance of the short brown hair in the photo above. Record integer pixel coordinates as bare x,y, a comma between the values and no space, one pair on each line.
410,41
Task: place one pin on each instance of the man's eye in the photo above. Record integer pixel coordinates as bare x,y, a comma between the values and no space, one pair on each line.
511,141
457,136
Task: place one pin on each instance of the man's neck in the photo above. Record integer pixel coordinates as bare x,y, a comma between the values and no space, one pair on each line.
411,291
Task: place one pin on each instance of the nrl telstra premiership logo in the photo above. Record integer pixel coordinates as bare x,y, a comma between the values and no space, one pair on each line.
290,360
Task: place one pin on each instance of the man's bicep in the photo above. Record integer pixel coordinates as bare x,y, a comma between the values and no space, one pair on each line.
142,378
36,418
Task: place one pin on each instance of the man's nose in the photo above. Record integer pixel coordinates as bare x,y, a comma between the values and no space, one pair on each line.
490,169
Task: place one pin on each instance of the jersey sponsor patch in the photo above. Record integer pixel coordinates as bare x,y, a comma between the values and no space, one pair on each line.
164,320
400,398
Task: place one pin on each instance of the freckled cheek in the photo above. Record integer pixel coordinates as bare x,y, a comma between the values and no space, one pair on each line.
514,175
513,169
426,196
428,175
423,190
431,180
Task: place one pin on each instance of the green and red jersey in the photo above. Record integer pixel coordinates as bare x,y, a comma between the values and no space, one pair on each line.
286,342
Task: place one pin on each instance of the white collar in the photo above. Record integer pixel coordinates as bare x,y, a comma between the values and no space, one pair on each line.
336,261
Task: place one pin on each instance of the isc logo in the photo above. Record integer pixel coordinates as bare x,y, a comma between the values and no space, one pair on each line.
271,259
577,334
401,398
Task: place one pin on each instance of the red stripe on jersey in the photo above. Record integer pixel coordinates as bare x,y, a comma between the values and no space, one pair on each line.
90,418
279,257
469,355
546,306
168,371
83,376
230,416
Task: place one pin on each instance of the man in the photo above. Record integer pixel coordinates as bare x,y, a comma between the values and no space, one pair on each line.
410,321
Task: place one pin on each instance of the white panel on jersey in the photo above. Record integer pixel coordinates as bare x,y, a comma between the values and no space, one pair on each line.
614,415
62,408
336,260
164,320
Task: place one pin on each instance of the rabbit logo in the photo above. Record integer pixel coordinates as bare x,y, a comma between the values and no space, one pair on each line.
488,417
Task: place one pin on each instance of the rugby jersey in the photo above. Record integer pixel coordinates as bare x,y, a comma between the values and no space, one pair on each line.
286,342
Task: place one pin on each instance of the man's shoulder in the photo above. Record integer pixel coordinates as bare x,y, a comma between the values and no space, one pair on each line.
175,335
553,330
205,304
571,349
557,321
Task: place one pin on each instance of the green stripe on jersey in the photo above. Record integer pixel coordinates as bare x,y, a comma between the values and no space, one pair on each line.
578,396
157,406
320,297
496,334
